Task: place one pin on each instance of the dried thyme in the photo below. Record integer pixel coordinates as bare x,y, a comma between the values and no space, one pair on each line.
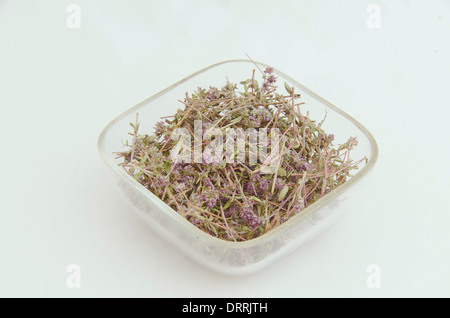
230,194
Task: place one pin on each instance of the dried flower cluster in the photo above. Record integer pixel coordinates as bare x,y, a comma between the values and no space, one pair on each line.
236,201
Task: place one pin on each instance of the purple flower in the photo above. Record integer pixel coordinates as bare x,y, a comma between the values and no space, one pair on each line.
176,173
253,121
264,185
279,184
210,196
248,216
160,182
213,93
256,177
265,87
300,164
271,79
307,165
210,199
207,183
231,211
194,220
187,180
251,188
299,205
196,199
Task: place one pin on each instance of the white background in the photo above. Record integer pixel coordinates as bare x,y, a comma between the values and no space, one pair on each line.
59,87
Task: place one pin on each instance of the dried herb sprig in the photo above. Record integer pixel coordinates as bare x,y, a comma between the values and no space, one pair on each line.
237,201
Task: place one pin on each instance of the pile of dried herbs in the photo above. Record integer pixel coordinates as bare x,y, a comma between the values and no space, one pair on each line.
237,200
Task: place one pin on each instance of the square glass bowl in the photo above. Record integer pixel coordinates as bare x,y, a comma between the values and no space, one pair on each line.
217,254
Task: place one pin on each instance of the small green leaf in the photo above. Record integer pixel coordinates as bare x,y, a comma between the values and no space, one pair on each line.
283,193
236,120
256,199
213,228
227,205
138,175
200,217
288,88
281,172
167,166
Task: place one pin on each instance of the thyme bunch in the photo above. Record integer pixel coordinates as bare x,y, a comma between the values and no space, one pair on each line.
237,201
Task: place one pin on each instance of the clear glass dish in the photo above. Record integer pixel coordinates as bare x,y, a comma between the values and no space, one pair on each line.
219,255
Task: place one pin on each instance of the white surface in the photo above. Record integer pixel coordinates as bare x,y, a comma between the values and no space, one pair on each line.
59,87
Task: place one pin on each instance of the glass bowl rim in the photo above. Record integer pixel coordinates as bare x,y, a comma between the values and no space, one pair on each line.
307,212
